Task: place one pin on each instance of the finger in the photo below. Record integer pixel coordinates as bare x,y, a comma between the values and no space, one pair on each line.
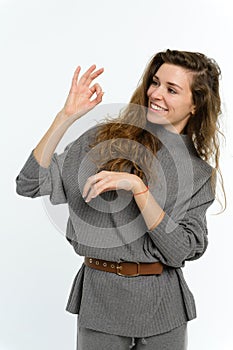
92,194
94,180
87,74
96,88
90,181
96,74
100,187
91,76
97,100
75,77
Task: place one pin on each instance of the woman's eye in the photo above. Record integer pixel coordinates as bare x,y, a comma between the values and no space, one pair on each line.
172,91
154,82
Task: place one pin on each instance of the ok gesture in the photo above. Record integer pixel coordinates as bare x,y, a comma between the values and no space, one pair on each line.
83,95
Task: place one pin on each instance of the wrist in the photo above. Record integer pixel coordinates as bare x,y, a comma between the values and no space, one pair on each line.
139,187
159,219
142,192
64,118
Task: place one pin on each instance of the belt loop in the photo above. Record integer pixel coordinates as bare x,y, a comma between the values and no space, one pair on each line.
143,340
132,343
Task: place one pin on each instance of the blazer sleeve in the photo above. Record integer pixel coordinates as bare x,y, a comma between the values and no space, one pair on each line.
175,242
34,180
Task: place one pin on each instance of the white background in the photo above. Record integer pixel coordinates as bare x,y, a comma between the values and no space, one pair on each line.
42,42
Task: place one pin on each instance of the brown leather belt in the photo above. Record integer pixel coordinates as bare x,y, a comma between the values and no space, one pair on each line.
124,268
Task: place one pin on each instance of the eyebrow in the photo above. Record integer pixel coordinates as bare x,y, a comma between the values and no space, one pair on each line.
169,83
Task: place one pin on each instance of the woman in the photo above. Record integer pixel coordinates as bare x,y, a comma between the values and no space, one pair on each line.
138,188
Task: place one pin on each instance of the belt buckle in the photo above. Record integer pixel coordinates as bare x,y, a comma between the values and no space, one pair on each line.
118,268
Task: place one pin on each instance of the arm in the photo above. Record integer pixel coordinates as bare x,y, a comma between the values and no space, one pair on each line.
169,241
186,239
41,173
78,103
152,213
34,180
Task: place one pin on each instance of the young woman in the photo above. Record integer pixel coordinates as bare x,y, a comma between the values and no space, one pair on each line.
138,187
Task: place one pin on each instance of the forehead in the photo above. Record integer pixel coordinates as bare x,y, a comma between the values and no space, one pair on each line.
174,74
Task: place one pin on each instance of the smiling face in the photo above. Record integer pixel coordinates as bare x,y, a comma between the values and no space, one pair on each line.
170,98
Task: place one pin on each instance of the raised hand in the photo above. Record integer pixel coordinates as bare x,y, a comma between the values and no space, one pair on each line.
80,99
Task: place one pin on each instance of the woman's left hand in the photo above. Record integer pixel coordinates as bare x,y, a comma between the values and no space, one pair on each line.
111,180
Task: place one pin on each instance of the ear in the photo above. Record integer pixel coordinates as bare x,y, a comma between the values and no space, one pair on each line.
193,110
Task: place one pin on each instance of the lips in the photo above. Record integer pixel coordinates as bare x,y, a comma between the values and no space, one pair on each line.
156,107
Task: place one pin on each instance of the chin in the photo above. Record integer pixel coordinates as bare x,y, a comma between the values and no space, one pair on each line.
156,118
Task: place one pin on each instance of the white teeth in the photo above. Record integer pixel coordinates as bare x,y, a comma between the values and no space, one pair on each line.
157,108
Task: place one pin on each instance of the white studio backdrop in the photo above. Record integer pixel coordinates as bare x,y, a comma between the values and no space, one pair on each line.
42,42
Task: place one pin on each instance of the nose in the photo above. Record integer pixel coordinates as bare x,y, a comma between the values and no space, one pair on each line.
156,92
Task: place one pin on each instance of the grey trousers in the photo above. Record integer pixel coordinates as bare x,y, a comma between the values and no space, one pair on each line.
176,339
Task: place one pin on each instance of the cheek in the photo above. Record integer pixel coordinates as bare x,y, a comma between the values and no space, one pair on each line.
189,104
149,91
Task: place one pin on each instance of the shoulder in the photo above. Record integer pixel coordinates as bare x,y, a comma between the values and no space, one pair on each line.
202,167
204,176
82,141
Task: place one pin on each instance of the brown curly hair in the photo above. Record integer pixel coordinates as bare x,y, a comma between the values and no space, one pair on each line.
202,127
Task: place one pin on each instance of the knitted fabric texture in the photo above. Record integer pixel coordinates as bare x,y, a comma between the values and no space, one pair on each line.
112,228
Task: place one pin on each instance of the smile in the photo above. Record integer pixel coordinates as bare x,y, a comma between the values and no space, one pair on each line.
157,108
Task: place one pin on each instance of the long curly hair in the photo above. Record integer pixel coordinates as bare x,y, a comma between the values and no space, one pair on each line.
125,135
